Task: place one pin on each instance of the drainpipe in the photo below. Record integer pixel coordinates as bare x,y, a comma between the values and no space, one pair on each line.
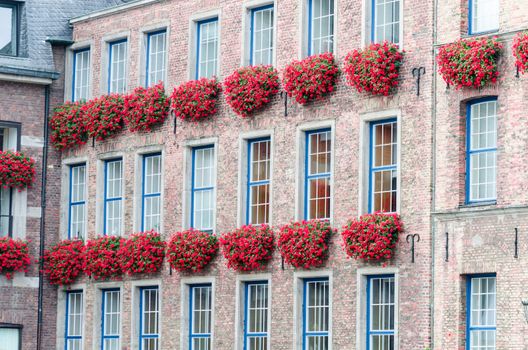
433,172
42,216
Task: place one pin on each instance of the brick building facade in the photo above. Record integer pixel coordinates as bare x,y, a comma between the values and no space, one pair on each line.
459,228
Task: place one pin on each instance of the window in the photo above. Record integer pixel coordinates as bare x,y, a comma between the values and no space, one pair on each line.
156,56
77,227
151,216
81,75
11,336
6,194
380,312
318,173
483,16
203,182
481,158
74,320
316,314
149,319
113,197
201,314
383,166
256,313
320,26
481,312
259,174
111,319
261,48
8,28
207,48
386,21
117,67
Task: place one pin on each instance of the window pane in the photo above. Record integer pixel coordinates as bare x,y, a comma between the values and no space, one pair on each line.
156,58
319,168
484,15
150,316
10,337
74,320
113,199
317,314
81,75
259,181
207,49
152,192
8,30
262,37
77,201
201,317
386,21
118,57
322,26
381,313
483,313
257,309
203,189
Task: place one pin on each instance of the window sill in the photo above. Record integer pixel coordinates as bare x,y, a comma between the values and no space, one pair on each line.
478,204
477,34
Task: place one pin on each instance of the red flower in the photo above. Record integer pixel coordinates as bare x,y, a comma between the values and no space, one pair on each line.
14,256
470,63
248,247
145,108
520,51
104,116
102,261
16,170
191,250
249,89
64,262
374,69
68,126
372,237
195,100
310,79
142,253
305,244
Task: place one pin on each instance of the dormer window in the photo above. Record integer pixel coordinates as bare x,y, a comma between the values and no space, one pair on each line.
8,28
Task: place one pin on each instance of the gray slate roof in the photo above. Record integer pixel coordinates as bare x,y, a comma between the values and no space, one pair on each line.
41,19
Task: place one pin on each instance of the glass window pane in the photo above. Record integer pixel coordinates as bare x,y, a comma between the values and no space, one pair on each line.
156,65
317,313
321,26
262,36
8,29
10,338
117,64
81,75
484,15
319,168
207,49
386,14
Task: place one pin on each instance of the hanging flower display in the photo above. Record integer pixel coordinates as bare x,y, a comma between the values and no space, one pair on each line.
104,116
470,62
249,89
142,253
311,78
68,126
305,244
63,263
248,247
191,250
196,100
16,170
146,107
520,51
14,256
372,236
102,260
374,69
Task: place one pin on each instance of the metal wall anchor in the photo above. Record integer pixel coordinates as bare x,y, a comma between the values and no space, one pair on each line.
417,73
411,239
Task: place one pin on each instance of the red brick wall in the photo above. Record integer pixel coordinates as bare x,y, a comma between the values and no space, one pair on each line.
345,107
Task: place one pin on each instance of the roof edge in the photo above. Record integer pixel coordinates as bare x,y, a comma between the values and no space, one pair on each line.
112,10
27,72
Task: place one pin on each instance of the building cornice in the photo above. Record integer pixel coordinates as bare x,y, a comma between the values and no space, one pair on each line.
113,10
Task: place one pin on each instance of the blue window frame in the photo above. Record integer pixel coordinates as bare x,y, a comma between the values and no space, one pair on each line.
77,202
117,59
318,174
81,75
256,313
156,57
113,197
381,311
110,319
207,48
316,314
258,181
201,316
383,169
481,317
149,318
483,16
386,21
73,335
203,186
151,192
262,28
320,26
481,149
